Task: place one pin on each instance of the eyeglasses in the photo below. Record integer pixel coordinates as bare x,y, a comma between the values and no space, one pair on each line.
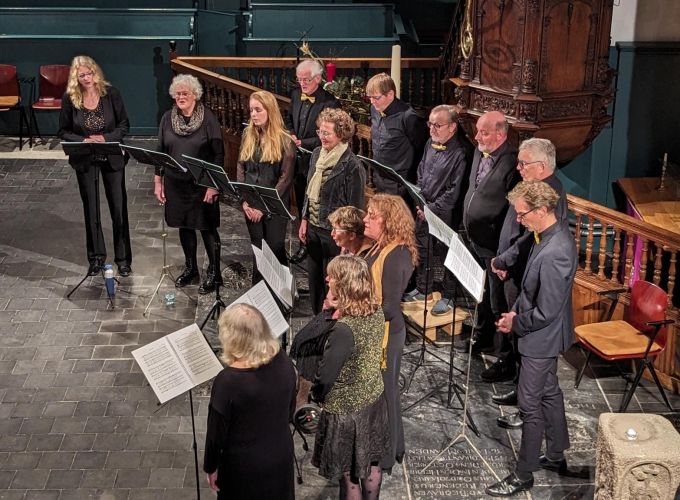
305,80
524,164
323,133
182,94
437,126
338,230
85,75
375,97
521,215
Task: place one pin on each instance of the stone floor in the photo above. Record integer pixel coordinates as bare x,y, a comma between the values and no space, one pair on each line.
79,421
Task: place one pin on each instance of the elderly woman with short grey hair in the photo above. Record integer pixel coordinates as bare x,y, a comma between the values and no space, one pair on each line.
191,129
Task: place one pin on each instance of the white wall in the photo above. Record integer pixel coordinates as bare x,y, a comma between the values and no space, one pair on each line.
645,21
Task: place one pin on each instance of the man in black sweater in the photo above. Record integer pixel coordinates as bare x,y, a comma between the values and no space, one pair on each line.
442,178
398,134
492,176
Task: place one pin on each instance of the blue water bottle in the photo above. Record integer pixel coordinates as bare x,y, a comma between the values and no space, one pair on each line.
110,282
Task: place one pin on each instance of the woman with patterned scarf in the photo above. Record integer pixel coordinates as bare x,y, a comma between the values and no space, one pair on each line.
390,224
191,129
336,178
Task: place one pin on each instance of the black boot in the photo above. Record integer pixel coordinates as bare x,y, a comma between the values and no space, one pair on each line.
189,276
213,278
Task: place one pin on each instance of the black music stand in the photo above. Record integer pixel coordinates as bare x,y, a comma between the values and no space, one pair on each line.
391,174
163,161
89,149
266,200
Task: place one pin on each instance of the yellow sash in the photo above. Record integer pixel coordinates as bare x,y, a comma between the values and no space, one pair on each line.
377,273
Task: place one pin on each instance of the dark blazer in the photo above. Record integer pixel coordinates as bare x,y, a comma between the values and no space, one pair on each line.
485,206
544,322
344,186
515,241
308,136
117,126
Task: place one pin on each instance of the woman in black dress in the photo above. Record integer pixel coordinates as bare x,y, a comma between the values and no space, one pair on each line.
248,442
191,129
353,432
93,111
266,158
393,257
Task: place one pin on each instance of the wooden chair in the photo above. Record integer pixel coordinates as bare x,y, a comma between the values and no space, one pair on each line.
640,337
51,88
10,98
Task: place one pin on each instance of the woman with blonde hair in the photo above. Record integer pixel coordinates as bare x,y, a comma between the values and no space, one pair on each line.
248,443
353,432
392,259
93,111
191,129
266,158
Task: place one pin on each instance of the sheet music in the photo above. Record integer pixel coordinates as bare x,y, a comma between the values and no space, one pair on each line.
463,265
413,190
177,362
261,298
278,277
437,227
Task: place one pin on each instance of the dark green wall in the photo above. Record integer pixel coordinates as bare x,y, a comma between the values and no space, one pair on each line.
644,126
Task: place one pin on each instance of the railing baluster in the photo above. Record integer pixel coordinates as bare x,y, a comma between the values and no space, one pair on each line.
643,260
671,272
577,234
589,246
616,255
602,252
658,251
630,242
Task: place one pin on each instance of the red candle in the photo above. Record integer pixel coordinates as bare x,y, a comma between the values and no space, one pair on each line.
330,71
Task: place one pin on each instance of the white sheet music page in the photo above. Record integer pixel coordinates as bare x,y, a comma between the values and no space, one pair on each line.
463,265
261,298
277,276
177,362
437,227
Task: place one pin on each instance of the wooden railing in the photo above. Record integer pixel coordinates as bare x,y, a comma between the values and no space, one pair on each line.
615,250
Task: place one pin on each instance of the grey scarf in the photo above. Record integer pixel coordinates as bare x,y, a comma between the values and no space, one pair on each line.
180,127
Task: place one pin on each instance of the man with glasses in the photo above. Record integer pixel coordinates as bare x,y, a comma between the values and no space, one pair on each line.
398,134
307,102
492,176
442,174
536,160
542,320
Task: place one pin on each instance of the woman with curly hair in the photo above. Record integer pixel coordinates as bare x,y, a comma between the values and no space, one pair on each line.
93,111
266,158
353,432
336,178
392,258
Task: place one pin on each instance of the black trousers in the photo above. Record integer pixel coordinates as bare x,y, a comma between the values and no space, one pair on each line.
425,280
320,250
541,405
509,351
491,306
116,196
273,231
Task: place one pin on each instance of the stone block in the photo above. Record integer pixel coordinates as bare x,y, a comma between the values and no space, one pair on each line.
637,457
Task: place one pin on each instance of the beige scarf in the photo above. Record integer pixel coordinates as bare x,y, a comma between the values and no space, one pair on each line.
327,160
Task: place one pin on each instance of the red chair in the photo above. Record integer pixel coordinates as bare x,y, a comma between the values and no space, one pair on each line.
10,98
640,337
51,88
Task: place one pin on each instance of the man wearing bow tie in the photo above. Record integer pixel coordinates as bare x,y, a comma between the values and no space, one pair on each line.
442,176
492,176
398,134
306,104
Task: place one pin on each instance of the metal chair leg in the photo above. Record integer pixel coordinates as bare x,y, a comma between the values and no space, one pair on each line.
579,375
652,370
629,395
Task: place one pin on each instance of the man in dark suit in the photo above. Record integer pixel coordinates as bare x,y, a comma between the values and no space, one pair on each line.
492,176
306,104
536,160
542,320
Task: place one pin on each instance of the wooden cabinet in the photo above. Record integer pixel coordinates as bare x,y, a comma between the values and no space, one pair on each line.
544,64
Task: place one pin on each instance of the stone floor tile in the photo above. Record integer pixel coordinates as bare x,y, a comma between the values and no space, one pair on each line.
101,478
60,409
124,459
78,442
89,460
56,460
42,494
45,442
37,425
166,478
33,479
64,479
132,478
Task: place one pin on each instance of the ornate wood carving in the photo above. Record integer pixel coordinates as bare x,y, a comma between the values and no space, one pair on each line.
544,63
